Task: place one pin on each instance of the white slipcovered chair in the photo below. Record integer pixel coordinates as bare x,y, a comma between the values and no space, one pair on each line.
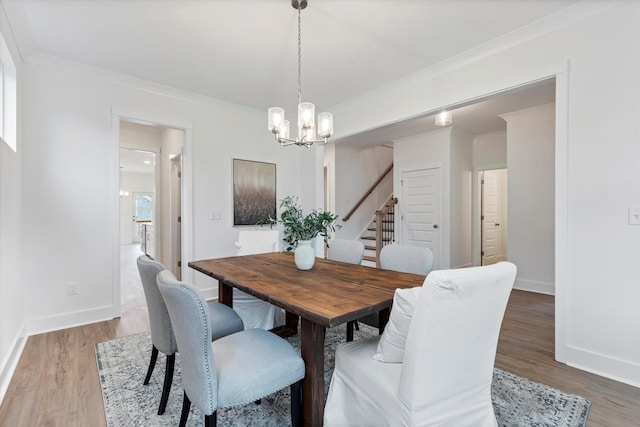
433,365
254,312
345,250
235,370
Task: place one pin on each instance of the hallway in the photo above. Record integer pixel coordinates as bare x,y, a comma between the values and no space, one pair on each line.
133,303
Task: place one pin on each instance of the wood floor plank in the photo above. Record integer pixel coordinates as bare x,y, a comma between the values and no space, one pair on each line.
56,382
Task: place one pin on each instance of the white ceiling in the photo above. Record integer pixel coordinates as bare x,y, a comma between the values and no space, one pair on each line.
244,51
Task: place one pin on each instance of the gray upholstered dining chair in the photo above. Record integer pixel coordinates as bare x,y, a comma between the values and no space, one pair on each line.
225,322
406,259
350,251
238,369
402,258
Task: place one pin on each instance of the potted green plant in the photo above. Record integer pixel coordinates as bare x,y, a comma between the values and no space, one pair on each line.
300,230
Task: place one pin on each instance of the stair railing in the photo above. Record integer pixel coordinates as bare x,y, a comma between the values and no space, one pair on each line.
385,226
373,187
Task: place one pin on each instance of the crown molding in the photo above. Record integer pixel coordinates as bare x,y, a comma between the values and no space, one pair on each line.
46,60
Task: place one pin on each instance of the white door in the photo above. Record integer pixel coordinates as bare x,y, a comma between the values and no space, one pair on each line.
419,209
493,217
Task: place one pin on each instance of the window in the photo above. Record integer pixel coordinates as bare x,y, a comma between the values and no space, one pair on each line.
8,97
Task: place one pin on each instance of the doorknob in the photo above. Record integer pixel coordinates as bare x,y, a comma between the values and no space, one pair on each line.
435,225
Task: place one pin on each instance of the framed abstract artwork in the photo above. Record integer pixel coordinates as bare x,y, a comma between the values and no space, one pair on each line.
254,191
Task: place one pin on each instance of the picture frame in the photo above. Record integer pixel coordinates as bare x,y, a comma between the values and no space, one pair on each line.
254,191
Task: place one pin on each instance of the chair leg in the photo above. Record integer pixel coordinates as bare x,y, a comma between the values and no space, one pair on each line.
152,364
296,404
168,378
186,406
211,420
350,331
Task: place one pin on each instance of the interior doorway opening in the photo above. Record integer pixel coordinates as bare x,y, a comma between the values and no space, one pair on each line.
150,198
493,216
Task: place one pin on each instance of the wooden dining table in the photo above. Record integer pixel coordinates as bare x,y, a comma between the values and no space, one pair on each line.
329,294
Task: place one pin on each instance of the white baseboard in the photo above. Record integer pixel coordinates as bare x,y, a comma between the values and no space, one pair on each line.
464,265
10,364
533,286
69,320
616,369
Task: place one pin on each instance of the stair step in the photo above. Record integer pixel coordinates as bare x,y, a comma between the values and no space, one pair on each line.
384,239
369,258
383,229
369,248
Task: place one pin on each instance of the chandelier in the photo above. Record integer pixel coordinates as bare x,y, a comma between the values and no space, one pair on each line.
306,110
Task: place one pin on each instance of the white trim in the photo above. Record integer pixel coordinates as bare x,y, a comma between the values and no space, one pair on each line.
534,286
604,366
561,275
11,362
68,320
115,218
55,62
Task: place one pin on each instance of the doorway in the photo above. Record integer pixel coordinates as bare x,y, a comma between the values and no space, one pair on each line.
493,216
151,198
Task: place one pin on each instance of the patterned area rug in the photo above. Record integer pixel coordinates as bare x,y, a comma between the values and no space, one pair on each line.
122,365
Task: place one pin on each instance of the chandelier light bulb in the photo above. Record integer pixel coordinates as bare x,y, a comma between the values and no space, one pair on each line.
325,125
276,119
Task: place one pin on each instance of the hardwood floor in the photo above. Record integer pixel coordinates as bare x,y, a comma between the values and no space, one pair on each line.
56,381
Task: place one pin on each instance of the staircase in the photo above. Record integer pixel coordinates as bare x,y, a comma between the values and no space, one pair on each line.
379,232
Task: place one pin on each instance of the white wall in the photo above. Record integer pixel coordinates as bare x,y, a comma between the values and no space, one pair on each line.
461,146
426,151
596,161
355,172
70,186
12,290
451,150
490,150
531,206
171,145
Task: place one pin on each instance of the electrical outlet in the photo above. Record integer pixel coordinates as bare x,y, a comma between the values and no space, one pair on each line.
72,288
634,216
215,215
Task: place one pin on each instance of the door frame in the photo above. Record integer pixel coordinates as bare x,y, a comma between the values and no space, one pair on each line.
186,194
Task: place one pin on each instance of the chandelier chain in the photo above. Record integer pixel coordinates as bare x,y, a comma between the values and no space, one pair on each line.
299,54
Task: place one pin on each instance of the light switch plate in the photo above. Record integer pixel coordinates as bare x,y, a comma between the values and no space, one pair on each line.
634,216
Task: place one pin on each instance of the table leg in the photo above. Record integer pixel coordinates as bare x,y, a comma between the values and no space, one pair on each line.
312,349
225,294
290,328
383,319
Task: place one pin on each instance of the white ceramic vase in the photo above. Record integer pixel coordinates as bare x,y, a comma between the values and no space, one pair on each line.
304,255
